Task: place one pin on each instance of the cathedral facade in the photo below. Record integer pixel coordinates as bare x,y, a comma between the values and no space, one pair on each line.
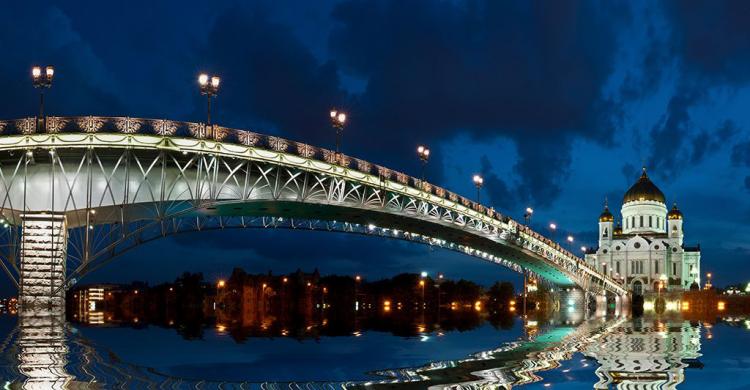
646,249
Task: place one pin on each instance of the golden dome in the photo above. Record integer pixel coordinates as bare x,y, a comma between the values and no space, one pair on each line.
675,213
606,216
644,190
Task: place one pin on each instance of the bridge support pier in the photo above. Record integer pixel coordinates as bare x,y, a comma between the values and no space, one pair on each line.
44,242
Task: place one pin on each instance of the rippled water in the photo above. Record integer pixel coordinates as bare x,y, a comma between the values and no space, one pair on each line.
42,350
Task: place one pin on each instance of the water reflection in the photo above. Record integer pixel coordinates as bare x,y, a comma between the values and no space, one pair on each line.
44,351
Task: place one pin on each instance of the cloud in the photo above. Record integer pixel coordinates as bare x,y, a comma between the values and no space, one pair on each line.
741,158
531,72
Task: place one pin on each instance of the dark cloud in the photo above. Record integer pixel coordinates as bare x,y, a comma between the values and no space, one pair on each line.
676,144
741,158
501,197
533,72
709,48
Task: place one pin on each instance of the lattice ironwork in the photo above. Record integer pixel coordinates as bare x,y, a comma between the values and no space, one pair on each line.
118,178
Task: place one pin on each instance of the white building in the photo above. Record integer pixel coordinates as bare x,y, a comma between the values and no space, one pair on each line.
647,247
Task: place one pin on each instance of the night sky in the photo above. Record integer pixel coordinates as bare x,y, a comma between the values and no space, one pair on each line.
558,104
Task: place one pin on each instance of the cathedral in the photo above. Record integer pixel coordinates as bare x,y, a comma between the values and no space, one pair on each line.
646,250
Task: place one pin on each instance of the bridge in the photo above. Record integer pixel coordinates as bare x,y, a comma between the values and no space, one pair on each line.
82,190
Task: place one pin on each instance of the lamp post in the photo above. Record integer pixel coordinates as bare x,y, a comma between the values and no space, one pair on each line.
357,279
209,86
478,182
527,215
42,79
552,230
421,284
338,119
423,153
570,240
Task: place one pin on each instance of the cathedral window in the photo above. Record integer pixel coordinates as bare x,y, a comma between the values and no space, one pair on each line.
641,221
618,267
649,221
632,222
674,269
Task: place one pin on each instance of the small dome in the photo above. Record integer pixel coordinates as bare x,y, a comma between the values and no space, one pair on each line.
618,230
606,215
675,213
644,190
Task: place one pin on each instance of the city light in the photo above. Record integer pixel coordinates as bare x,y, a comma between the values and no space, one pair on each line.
553,226
570,239
221,283
527,215
423,274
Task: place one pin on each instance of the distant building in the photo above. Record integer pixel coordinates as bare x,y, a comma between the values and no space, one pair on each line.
646,249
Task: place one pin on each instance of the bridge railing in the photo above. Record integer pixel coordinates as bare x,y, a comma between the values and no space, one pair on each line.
170,128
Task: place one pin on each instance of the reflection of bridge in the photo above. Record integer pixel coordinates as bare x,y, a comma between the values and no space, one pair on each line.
630,354
89,188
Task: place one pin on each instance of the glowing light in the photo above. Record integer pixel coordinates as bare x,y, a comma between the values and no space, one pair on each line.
203,79
215,81
50,72
424,274
529,210
36,72
685,305
221,283
721,305
553,226
648,305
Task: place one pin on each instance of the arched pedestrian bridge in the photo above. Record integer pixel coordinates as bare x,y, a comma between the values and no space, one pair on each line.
81,190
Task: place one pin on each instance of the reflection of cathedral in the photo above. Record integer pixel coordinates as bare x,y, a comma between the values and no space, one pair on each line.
647,248
640,355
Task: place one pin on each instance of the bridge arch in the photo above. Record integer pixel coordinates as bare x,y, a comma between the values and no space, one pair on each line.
119,176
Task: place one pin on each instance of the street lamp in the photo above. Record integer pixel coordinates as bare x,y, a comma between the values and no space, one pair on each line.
338,119
209,86
423,153
478,182
42,80
527,215
421,284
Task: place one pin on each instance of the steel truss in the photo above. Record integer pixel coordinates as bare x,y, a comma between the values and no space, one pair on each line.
119,190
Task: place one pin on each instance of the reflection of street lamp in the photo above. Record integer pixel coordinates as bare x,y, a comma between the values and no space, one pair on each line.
527,215
478,182
42,80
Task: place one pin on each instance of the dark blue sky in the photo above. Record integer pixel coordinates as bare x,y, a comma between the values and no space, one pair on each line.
557,103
